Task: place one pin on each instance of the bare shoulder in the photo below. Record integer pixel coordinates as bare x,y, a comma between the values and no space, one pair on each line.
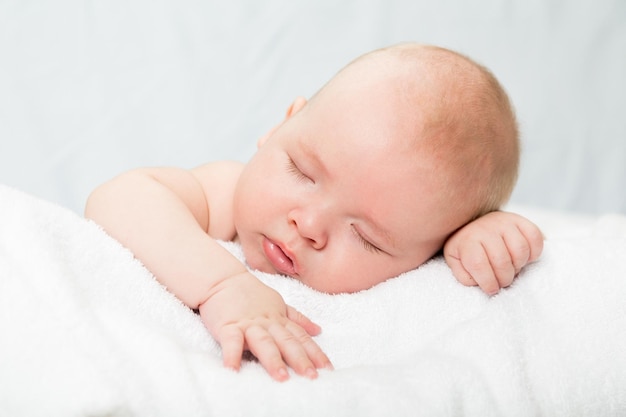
218,181
218,169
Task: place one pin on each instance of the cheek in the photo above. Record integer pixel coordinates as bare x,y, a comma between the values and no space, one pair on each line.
252,184
266,176
372,273
350,269
260,196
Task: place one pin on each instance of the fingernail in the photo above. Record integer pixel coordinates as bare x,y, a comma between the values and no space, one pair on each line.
282,374
310,373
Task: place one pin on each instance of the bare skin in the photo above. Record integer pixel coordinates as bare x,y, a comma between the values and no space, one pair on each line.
330,199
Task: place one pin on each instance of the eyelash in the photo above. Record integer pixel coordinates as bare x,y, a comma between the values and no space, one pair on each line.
368,246
293,169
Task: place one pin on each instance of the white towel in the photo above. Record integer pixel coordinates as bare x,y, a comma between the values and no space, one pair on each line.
86,330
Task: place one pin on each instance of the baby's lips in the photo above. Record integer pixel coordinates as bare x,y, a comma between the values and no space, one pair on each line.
280,260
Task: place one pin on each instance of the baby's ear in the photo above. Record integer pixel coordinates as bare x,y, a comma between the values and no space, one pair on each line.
264,138
294,108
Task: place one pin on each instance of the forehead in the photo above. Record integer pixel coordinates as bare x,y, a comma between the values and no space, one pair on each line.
365,117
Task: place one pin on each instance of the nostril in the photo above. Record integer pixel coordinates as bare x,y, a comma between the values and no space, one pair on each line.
317,240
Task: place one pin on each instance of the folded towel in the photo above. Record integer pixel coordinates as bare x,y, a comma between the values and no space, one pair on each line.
86,330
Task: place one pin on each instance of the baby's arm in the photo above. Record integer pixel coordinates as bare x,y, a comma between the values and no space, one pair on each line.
491,250
163,216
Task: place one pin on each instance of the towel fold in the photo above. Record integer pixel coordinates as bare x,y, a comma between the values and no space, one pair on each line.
86,330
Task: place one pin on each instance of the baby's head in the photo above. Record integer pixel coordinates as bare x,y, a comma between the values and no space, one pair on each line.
368,178
460,115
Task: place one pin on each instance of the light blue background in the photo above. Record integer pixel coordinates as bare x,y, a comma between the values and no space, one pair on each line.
91,88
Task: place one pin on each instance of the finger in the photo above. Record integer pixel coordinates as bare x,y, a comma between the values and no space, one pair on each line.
534,237
232,342
500,261
292,349
303,321
459,272
312,349
518,248
476,262
262,344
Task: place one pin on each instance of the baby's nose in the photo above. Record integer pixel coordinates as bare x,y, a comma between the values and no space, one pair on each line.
311,225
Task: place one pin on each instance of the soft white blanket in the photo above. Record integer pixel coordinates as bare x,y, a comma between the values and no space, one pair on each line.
86,330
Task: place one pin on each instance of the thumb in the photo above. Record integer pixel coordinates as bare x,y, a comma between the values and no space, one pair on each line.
303,321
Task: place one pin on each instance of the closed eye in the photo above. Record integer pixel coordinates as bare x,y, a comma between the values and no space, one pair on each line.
367,245
293,169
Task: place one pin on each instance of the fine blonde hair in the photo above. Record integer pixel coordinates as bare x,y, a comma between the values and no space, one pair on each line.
471,121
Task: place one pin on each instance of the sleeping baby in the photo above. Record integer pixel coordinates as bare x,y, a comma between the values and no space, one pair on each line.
407,151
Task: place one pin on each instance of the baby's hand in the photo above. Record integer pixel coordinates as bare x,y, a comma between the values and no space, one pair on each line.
491,250
242,313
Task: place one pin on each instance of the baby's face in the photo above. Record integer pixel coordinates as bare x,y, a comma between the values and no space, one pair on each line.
340,198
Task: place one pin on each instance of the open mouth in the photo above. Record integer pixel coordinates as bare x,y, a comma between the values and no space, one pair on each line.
278,258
